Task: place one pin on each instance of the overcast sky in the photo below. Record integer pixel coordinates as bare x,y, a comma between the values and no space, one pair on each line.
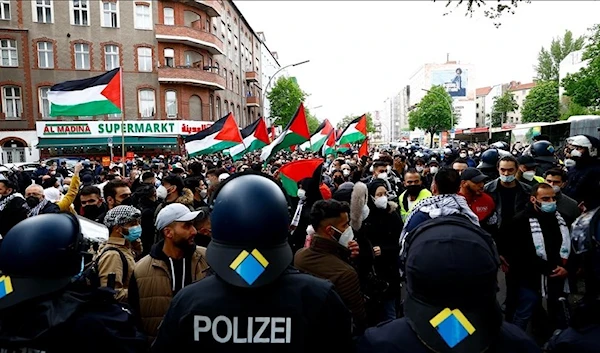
362,52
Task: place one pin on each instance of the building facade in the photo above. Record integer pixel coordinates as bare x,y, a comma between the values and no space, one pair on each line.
571,64
269,68
520,92
181,60
480,104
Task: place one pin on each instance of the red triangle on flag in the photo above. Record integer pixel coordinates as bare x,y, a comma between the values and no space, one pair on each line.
230,131
362,125
299,125
364,149
261,132
112,91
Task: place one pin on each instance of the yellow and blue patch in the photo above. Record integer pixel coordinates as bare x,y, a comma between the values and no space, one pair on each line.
453,326
249,265
5,286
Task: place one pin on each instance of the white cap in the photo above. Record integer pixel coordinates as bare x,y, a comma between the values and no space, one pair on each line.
223,176
174,212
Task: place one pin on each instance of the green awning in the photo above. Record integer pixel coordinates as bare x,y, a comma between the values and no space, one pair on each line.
102,141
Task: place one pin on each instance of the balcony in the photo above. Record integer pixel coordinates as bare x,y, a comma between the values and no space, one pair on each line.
188,75
252,101
211,7
251,76
193,37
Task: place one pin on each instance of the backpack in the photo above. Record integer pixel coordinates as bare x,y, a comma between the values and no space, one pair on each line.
91,272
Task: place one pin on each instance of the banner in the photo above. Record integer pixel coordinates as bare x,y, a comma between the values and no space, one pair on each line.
83,129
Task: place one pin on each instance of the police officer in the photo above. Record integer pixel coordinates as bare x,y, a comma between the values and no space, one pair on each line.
451,268
46,305
254,301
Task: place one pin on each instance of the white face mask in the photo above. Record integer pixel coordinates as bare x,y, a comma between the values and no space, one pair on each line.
471,153
570,163
419,168
382,176
302,194
433,170
161,192
528,175
556,189
575,153
346,237
346,172
365,212
381,202
463,155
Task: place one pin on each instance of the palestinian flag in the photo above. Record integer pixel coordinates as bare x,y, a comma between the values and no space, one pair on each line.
221,135
295,133
291,173
364,149
96,95
318,137
355,132
255,137
328,146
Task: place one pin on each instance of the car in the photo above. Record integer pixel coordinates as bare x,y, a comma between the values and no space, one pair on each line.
71,161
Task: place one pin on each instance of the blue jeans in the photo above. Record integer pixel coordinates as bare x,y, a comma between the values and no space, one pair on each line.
389,310
527,300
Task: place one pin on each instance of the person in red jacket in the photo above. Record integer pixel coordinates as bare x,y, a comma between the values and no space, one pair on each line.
471,188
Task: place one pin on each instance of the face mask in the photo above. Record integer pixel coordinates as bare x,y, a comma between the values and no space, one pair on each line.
346,172
382,176
471,154
302,194
433,170
381,202
338,180
570,163
507,178
91,211
127,202
547,207
208,182
419,168
414,190
161,192
32,201
133,233
463,155
365,212
556,189
575,154
203,193
345,236
528,175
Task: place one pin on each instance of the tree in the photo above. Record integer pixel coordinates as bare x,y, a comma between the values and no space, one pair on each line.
549,60
313,122
284,99
493,12
348,118
570,108
541,104
433,113
584,86
503,105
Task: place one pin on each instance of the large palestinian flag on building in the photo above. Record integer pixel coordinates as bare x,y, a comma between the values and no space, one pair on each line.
255,137
355,132
221,135
291,173
318,137
96,95
294,134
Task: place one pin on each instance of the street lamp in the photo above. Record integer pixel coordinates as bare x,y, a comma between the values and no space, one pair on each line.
273,76
449,105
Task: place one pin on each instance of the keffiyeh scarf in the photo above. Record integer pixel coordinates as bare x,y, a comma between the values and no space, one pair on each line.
540,247
4,201
36,210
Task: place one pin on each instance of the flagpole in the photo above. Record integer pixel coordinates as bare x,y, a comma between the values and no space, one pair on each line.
122,121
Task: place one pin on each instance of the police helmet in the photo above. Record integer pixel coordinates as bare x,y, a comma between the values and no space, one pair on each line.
250,224
489,158
39,256
542,151
501,145
591,143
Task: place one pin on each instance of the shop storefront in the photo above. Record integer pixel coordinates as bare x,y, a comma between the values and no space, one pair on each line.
97,139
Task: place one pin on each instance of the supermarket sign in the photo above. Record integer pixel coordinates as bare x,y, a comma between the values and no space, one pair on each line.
83,129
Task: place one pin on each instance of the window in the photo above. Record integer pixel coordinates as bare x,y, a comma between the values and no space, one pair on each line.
169,57
207,26
225,107
210,64
4,9
218,108
237,84
111,57
144,59
79,12
226,77
110,15
45,55
195,104
44,104
223,29
11,102
193,59
232,108
211,105
146,103
8,52
168,16
171,104
82,56
216,68
143,16
231,81
43,11
238,116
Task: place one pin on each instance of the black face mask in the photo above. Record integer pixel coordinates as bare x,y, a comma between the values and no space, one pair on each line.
32,201
127,202
91,211
414,190
338,180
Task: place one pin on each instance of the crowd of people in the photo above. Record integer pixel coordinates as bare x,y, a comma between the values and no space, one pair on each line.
497,239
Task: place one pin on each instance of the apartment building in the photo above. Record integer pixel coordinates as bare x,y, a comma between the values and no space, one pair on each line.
519,91
189,62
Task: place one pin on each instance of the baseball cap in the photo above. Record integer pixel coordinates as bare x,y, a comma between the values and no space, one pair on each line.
527,161
174,212
473,174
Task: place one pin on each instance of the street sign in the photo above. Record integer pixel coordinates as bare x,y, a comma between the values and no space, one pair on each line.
452,133
109,140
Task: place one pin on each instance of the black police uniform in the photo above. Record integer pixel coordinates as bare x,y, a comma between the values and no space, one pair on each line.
46,304
451,274
254,302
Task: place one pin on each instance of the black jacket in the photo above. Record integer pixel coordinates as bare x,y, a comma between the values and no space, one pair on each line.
302,313
13,213
50,207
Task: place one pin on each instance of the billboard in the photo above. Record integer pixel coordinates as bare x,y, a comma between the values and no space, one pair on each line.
454,81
